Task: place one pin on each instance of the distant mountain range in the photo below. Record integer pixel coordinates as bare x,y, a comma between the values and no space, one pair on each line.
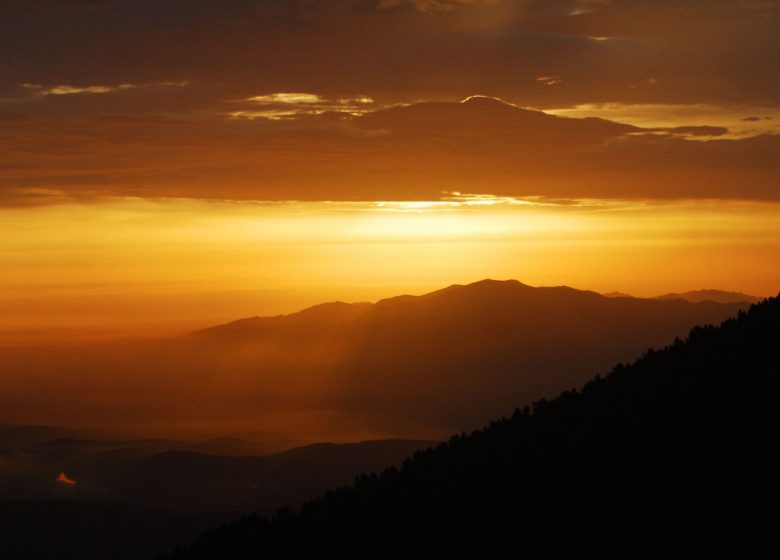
411,367
674,450
416,365
131,499
175,477
697,296
451,358
712,295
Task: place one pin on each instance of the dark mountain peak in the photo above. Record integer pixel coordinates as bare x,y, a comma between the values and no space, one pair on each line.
484,284
513,290
717,296
649,441
487,293
617,295
487,285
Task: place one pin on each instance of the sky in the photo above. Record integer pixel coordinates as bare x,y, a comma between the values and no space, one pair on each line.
168,164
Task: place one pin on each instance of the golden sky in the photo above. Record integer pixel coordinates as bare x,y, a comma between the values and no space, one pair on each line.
168,165
135,267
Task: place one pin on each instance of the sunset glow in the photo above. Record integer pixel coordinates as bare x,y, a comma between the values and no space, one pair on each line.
115,266
347,275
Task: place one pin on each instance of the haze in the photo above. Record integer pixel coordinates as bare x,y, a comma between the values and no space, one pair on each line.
166,167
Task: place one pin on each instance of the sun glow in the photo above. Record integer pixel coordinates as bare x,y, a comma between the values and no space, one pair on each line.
103,269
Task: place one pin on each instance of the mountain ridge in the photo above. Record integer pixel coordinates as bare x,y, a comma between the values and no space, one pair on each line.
351,310
718,296
639,452
414,367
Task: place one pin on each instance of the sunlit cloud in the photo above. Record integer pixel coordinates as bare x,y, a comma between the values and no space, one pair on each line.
490,97
63,89
285,105
293,98
697,121
455,199
72,90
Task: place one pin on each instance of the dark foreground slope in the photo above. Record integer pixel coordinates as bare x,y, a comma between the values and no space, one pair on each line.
64,530
675,447
133,500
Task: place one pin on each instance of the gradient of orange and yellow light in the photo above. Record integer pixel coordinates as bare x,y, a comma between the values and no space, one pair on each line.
121,267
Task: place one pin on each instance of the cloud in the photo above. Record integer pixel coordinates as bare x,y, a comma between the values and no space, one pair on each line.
101,114
412,152
288,98
38,89
71,90
721,53
695,131
664,116
278,106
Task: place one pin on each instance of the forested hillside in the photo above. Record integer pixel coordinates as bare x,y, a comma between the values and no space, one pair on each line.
674,447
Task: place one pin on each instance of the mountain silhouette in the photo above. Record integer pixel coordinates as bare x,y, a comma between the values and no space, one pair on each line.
447,360
187,481
674,450
175,476
409,367
133,499
617,295
719,296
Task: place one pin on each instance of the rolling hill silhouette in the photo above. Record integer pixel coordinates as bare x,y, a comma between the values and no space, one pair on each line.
133,499
719,296
672,450
411,367
170,476
450,358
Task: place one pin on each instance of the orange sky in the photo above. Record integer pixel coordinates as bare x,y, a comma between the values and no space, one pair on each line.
134,267
617,145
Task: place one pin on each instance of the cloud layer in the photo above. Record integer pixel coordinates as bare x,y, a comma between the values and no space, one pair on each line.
174,98
413,152
722,51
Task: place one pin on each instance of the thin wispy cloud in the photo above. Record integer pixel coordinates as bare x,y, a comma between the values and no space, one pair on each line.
64,89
